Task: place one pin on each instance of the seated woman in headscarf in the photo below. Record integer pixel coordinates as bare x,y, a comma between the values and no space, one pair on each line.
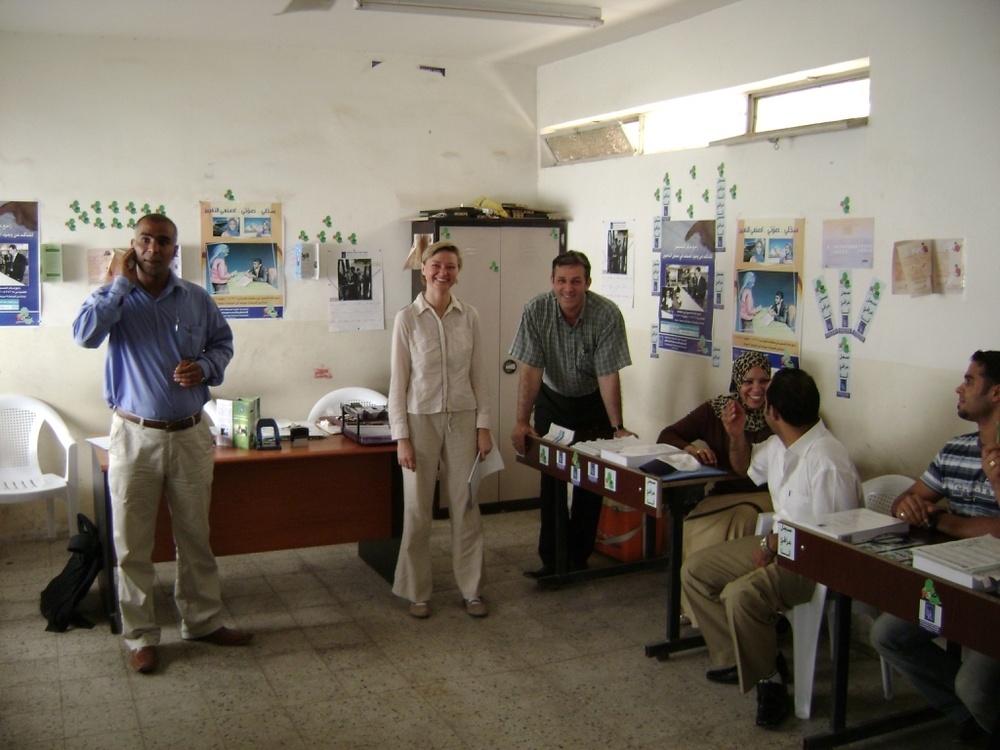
730,507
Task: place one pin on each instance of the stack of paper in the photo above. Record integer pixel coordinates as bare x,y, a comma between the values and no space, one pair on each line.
635,455
857,525
974,563
594,447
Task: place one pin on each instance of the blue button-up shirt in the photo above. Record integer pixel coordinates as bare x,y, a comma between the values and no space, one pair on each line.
147,339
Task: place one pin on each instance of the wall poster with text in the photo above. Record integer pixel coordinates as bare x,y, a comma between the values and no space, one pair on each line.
686,271
768,288
20,287
242,259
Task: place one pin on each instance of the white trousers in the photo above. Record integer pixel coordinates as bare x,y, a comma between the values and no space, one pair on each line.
145,464
448,441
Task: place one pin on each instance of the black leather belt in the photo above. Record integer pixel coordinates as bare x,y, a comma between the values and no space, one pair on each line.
156,424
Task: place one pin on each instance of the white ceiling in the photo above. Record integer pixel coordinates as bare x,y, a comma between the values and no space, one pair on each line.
344,28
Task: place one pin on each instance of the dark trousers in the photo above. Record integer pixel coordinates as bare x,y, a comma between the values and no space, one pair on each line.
586,416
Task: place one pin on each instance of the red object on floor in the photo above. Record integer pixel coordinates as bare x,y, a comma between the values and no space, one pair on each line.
620,532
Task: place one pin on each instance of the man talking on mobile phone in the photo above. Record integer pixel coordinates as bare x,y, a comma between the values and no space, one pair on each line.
167,342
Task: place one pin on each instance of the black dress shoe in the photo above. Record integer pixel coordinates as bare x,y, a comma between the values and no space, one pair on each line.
724,675
772,703
542,572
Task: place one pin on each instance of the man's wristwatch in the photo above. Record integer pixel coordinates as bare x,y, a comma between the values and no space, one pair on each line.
766,548
619,428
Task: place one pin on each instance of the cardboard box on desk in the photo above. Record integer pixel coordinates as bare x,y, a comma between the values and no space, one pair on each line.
246,412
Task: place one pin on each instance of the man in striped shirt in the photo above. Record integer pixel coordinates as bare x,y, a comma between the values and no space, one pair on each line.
965,473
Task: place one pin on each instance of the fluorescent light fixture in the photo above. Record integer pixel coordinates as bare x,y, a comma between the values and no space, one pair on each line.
506,10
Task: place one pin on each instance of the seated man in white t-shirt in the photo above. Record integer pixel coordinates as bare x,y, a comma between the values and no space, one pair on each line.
808,472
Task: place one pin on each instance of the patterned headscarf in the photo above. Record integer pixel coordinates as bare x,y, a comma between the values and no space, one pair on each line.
743,364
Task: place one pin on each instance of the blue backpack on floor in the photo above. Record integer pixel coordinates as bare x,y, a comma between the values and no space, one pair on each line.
66,590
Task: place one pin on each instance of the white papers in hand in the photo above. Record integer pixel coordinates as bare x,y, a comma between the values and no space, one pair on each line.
483,468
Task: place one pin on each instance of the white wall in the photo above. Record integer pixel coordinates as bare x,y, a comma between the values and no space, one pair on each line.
320,131
324,133
926,166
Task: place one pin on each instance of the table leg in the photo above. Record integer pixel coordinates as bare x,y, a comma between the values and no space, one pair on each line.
841,636
840,733
562,528
676,500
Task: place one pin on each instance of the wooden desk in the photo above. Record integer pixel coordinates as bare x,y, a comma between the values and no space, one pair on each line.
968,617
652,495
329,491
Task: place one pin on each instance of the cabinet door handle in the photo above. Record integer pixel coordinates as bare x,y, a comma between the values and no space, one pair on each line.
510,367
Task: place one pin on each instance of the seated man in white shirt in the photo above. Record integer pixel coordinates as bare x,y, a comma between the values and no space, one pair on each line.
735,588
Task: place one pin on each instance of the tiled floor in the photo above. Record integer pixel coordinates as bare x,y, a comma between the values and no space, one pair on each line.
338,663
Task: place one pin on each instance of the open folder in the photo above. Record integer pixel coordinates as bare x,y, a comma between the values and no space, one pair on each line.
483,468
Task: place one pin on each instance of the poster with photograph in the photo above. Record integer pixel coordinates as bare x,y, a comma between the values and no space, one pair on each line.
20,287
687,272
242,258
768,288
618,278
356,291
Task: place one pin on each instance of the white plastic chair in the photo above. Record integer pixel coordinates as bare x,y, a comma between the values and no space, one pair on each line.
879,493
805,619
21,477
329,405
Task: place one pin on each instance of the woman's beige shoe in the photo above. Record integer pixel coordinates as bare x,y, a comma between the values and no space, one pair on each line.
476,607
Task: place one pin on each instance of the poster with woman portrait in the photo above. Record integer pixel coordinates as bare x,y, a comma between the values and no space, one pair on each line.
242,258
768,288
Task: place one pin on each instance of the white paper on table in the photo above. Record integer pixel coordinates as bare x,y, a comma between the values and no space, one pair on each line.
483,468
